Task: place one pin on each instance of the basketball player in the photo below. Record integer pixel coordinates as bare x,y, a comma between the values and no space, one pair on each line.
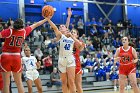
10,58
78,71
127,56
31,74
66,62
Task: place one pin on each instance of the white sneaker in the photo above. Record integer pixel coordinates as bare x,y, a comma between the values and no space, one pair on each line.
125,88
115,88
128,87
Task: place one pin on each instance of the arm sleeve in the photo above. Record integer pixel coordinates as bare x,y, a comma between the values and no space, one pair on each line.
28,30
6,33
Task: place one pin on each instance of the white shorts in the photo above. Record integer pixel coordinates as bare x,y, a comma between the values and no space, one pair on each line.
64,62
31,75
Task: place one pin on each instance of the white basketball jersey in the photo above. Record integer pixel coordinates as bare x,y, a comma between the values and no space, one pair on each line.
66,46
29,63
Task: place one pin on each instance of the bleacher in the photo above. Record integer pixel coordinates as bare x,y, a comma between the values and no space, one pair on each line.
89,83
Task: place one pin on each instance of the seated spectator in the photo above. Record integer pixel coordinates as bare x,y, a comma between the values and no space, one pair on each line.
94,25
114,77
96,43
38,52
82,61
25,45
39,59
90,47
55,78
88,63
47,62
47,41
88,26
83,38
100,26
52,46
138,45
116,43
88,23
38,36
104,52
99,54
43,29
138,77
99,72
80,27
108,63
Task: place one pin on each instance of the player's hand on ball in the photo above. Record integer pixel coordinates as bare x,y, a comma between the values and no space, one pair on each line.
49,17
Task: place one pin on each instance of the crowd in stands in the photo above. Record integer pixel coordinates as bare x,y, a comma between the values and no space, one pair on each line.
101,42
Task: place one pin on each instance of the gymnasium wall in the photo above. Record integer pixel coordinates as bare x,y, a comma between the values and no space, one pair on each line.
33,11
9,9
116,14
134,12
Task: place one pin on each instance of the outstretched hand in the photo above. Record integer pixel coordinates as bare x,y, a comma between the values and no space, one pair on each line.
69,12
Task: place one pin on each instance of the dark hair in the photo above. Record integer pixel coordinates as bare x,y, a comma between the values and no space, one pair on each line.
18,24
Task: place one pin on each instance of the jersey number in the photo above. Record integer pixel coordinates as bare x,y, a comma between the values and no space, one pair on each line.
67,47
125,58
16,41
31,63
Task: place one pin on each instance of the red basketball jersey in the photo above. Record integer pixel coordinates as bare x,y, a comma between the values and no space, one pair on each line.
14,39
126,65
77,58
77,55
126,55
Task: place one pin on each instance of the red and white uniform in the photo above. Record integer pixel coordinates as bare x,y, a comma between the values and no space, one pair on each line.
10,58
77,60
126,64
1,80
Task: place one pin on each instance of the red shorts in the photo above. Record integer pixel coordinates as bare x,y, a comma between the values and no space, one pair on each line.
127,69
11,63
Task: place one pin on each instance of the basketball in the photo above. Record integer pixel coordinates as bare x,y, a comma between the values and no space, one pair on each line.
47,11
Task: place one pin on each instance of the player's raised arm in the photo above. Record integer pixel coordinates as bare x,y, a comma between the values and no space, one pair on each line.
68,18
35,25
54,27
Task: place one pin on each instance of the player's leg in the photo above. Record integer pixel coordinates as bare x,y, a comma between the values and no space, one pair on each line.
122,80
133,81
38,85
64,82
6,81
78,83
29,84
18,81
71,79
